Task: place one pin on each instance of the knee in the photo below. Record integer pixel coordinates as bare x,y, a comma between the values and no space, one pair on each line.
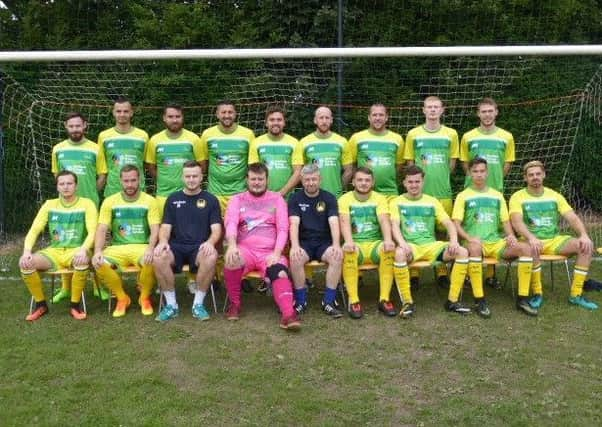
207,261
475,249
277,271
400,255
461,252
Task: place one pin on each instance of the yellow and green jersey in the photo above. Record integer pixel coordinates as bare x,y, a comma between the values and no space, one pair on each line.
228,155
70,225
417,217
433,151
117,149
541,213
169,153
496,146
381,152
129,220
279,155
481,213
363,215
81,158
330,153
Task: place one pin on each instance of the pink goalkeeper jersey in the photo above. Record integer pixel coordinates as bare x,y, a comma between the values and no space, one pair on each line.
260,223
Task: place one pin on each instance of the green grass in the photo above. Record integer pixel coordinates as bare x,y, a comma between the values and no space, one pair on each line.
436,369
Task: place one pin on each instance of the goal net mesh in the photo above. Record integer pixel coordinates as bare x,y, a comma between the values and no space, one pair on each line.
551,105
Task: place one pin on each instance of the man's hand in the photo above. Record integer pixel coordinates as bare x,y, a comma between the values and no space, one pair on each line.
452,247
232,257
388,245
296,253
586,245
337,252
81,257
272,258
349,247
207,249
536,245
511,240
26,261
160,248
98,259
406,249
148,256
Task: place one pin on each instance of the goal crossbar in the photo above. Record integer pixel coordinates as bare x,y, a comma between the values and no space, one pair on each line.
347,52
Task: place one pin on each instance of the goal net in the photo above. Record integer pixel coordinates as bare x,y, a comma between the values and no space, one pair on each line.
550,104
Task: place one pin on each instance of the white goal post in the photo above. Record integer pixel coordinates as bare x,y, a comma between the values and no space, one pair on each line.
349,52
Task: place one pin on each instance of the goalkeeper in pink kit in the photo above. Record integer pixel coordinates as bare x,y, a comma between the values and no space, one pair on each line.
256,226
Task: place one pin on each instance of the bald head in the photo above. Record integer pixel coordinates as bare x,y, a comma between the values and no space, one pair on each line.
323,120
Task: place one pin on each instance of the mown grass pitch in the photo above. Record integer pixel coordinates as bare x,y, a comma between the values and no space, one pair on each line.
436,369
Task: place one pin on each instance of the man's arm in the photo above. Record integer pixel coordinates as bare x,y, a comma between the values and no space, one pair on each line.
348,243
101,180
346,177
152,242
385,227
207,248
521,228
163,239
292,181
452,165
462,233
204,166
295,252
507,167
151,168
509,232
398,237
99,244
335,230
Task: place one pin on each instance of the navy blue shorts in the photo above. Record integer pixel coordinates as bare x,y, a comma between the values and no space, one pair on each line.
315,250
184,254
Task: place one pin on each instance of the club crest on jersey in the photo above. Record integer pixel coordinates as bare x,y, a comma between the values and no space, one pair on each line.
320,206
201,203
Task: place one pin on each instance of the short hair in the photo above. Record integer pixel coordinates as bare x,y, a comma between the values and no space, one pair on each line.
378,104
191,164
433,98
477,161
65,172
322,106
173,106
487,101
274,109
309,169
122,100
75,114
129,168
413,170
364,170
533,164
258,168
224,102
